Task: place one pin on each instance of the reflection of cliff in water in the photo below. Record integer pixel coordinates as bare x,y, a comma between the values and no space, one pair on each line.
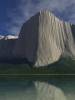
37,90
47,91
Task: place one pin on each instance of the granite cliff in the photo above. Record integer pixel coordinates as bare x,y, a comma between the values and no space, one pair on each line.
43,40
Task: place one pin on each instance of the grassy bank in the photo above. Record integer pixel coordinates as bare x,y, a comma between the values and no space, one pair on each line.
63,66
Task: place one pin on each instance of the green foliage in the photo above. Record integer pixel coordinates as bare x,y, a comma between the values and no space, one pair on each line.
63,66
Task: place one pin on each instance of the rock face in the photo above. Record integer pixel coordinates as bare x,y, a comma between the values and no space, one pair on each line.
6,47
44,38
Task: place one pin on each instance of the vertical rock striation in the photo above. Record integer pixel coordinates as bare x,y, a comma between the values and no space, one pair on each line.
44,39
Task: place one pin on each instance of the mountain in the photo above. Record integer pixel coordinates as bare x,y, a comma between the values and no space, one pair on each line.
44,39
6,47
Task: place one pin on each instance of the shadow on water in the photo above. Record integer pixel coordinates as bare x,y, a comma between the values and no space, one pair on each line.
17,90
37,90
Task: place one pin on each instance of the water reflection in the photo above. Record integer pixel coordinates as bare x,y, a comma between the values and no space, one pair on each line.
37,90
47,91
17,90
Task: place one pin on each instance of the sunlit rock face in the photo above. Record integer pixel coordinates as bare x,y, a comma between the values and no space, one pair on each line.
44,39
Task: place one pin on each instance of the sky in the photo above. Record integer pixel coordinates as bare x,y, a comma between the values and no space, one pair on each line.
13,13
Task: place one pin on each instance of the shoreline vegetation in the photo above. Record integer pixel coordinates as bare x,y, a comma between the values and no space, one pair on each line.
64,68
